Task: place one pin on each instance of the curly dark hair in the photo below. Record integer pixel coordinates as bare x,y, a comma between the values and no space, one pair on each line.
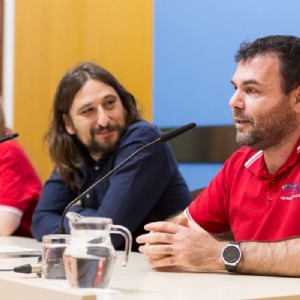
287,47
63,148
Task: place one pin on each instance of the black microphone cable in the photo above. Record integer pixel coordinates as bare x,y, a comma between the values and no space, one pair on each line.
26,269
6,270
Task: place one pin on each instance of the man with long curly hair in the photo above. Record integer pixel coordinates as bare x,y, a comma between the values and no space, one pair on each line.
95,126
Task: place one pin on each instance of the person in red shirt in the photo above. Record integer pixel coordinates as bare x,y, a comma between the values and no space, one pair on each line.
256,195
20,187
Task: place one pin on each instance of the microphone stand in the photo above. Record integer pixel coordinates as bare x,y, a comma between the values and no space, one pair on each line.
163,138
61,227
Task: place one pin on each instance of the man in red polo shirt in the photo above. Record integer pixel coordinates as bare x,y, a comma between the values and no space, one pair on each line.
256,195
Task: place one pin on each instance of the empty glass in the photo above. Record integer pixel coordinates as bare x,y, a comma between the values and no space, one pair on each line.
52,260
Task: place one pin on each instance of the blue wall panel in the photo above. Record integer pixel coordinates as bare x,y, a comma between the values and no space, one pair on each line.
194,45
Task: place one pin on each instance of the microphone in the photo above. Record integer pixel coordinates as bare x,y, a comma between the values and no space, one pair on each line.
8,137
163,138
175,132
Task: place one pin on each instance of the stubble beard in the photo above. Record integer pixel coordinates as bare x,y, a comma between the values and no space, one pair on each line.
96,148
271,129
108,145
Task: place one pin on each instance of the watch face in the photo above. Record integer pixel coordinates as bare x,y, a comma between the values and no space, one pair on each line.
231,254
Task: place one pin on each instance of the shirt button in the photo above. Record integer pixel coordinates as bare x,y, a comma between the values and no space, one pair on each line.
97,168
87,196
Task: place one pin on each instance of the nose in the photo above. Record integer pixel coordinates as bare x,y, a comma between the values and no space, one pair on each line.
237,100
102,117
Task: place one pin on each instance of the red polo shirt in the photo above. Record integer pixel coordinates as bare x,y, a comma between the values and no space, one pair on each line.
20,186
246,199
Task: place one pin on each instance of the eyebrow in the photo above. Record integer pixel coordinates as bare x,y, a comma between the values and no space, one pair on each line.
246,82
84,106
109,96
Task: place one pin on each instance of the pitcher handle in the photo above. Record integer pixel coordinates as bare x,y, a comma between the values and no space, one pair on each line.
128,240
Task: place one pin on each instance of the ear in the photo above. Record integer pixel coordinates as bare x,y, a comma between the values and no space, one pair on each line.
297,100
68,124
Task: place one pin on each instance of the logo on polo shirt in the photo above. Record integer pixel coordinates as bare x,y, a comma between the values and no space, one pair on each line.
291,190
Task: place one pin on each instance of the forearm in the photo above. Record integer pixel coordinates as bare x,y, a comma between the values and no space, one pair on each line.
277,258
9,223
170,244
45,223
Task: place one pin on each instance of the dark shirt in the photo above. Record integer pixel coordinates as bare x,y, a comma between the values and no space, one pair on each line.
148,188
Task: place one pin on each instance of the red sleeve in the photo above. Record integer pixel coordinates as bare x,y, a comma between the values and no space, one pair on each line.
20,185
209,209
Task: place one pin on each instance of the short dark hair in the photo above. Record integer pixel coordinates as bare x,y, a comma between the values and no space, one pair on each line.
286,47
63,148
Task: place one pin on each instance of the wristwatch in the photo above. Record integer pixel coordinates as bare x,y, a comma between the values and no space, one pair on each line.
231,256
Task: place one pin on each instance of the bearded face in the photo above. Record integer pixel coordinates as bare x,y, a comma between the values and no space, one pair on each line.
263,115
267,128
97,118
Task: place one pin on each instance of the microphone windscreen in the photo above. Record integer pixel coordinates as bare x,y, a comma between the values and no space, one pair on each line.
173,133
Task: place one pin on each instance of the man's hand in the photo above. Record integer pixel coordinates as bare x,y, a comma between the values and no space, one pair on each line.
168,244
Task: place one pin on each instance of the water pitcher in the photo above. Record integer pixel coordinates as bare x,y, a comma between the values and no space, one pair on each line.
90,255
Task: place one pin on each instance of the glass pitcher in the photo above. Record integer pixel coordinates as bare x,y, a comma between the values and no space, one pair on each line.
90,255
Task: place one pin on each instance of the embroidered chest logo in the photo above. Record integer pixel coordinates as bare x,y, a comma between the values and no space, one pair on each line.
291,191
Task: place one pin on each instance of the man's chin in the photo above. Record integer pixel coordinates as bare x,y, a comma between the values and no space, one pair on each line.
251,144
95,147
243,139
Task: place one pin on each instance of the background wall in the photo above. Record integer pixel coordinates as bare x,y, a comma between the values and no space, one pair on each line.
194,45
176,56
52,36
